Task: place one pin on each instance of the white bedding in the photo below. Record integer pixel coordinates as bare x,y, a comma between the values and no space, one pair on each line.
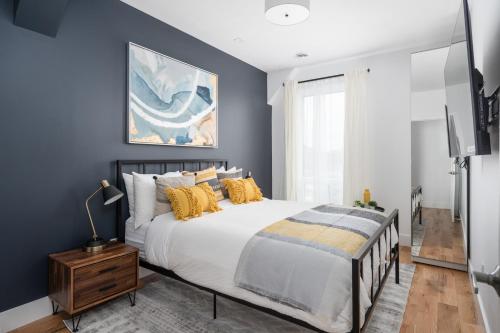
206,251
136,237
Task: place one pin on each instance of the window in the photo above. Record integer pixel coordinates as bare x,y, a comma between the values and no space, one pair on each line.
320,160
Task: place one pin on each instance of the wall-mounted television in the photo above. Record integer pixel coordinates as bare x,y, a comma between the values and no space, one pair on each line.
467,112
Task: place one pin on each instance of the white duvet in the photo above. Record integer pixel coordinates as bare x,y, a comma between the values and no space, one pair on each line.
206,251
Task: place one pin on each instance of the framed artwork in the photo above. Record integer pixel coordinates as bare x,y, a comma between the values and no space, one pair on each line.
170,102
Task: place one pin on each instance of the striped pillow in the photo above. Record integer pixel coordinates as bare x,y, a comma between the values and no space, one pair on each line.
209,176
233,174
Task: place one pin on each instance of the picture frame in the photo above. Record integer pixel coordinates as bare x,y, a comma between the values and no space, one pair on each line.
170,102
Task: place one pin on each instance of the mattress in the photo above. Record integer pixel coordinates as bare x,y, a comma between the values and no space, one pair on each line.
136,237
206,251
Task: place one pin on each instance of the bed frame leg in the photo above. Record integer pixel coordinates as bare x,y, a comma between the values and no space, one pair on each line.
356,325
215,306
397,264
396,225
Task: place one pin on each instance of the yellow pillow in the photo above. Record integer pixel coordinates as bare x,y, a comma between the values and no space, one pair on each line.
206,197
188,202
185,205
242,190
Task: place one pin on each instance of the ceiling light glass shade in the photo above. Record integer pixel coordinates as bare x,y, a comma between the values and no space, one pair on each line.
287,12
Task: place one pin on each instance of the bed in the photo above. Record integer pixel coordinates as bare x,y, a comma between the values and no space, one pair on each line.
205,253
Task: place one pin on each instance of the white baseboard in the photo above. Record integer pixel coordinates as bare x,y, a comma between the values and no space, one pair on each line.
404,239
481,304
25,314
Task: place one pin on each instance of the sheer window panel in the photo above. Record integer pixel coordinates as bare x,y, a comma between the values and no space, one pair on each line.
320,156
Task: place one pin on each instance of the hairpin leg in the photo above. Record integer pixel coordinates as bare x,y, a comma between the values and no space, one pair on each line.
75,327
215,306
131,298
55,307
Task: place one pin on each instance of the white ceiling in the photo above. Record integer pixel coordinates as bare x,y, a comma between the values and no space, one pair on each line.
427,69
335,29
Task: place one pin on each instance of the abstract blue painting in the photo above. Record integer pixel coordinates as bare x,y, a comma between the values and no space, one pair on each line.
170,102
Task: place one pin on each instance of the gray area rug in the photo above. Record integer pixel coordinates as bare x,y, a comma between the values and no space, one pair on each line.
167,305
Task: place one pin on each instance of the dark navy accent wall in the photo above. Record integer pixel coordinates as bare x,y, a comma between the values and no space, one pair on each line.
62,124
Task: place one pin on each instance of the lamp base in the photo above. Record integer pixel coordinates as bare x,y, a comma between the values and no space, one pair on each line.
95,245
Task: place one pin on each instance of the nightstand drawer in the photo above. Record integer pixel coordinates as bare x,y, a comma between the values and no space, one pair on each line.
111,267
100,289
98,281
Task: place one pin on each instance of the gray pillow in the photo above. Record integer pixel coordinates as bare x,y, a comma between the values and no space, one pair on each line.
162,205
237,174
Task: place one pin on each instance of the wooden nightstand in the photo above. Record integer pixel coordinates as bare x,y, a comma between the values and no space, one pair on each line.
79,280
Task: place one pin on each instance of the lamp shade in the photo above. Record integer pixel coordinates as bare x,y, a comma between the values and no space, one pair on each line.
110,193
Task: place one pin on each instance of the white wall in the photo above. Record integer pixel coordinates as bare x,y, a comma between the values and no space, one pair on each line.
430,163
428,105
389,126
485,171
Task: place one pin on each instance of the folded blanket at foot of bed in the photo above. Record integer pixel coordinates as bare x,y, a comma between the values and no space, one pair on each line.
304,261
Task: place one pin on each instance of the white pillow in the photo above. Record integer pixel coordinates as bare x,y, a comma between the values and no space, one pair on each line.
129,186
223,170
145,196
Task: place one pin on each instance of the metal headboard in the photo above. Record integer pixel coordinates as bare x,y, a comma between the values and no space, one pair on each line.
154,167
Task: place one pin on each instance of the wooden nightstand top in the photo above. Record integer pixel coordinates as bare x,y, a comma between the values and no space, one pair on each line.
79,258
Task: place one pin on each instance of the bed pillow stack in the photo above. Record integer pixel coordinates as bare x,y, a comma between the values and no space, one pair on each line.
232,173
208,176
141,193
145,196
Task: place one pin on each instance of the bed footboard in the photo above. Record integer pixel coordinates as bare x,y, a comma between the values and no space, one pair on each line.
357,268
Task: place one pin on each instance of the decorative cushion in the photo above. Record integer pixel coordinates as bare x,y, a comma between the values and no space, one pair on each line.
206,197
145,196
210,176
184,203
234,174
242,190
162,205
188,202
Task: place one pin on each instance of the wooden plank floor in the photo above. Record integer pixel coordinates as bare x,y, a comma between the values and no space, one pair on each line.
443,238
440,301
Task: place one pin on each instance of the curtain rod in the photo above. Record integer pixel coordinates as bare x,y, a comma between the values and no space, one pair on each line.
324,78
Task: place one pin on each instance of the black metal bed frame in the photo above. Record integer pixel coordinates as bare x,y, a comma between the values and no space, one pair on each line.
162,166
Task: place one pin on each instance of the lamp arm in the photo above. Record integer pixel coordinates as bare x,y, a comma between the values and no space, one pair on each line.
94,236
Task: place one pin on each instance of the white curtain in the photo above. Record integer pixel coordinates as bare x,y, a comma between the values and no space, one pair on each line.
314,130
356,158
291,140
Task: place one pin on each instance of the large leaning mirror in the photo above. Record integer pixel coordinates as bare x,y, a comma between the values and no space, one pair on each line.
439,183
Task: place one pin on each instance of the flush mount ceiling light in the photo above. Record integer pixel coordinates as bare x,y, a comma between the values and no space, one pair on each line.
287,12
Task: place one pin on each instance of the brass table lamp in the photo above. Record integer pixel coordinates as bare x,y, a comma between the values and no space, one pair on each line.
110,195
